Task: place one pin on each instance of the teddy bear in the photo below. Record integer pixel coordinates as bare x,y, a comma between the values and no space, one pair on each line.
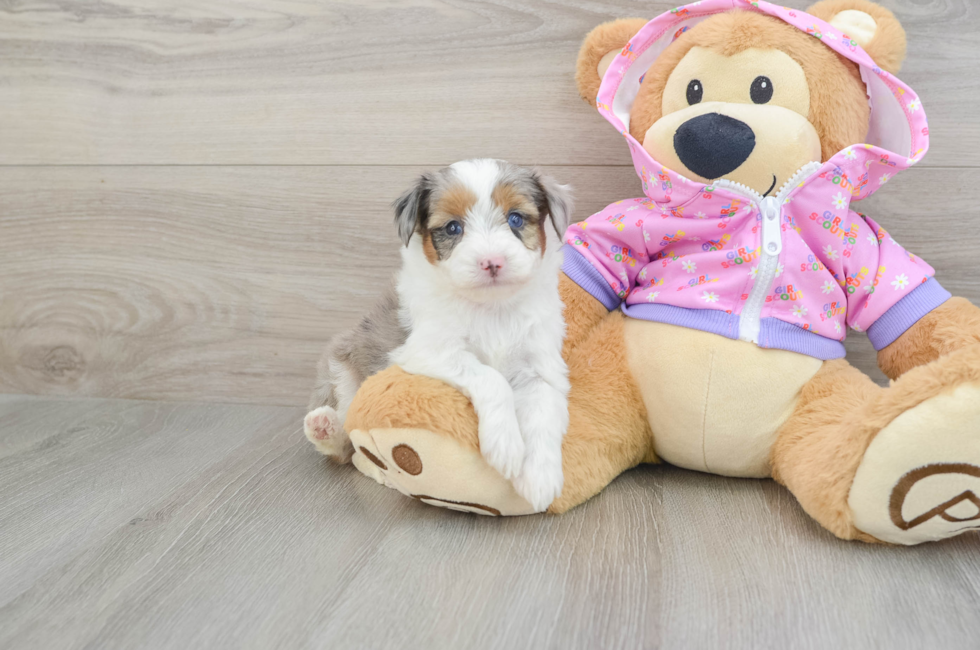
705,319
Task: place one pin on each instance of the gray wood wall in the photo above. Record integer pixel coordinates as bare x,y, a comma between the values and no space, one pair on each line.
194,195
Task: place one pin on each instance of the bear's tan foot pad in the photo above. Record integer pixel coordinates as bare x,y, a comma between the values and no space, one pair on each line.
919,480
436,470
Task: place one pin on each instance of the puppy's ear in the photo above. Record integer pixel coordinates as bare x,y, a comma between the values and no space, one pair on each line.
599,49
873,27
559,202
412,208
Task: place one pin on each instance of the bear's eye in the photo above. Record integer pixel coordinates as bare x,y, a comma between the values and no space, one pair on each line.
695,91
761,91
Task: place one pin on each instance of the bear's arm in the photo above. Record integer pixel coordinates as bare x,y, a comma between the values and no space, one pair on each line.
582,312
888,289
953,325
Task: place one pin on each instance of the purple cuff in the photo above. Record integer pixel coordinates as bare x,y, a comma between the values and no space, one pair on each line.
906,312
582,273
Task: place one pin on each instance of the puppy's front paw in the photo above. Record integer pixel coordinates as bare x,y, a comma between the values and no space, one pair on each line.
502,445
324,429
541,480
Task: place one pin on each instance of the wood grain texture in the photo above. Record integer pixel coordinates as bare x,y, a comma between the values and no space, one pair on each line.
161,525
364,82
224,283
210,283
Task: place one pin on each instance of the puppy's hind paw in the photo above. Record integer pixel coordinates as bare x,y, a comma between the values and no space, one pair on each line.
540,483
324,429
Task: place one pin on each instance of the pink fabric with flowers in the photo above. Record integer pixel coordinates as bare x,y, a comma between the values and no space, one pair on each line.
696,246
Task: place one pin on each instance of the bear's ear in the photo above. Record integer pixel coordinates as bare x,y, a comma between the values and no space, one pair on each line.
873,27
599,49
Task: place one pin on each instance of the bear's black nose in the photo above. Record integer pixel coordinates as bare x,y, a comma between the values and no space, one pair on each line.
712,145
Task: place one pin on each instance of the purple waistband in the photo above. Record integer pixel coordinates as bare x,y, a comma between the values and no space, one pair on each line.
707,320
773,332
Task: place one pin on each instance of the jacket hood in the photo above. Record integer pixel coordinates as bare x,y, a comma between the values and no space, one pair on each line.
898,136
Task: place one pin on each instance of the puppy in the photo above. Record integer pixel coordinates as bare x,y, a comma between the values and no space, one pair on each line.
475,305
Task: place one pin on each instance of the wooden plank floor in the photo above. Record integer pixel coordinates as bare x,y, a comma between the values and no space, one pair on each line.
134,524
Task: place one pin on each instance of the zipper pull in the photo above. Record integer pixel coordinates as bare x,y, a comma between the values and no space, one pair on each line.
772,241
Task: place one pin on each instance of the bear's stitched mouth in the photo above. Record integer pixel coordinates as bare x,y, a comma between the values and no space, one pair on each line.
771,187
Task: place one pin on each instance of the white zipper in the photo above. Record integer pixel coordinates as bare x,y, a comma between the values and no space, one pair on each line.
771,245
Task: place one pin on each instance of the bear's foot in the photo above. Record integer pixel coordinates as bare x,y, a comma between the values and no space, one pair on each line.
919,479
435,469
324,429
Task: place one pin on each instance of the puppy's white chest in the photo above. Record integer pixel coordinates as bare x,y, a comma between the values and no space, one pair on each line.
495,352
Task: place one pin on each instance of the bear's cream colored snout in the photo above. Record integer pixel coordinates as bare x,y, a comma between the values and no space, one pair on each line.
760,146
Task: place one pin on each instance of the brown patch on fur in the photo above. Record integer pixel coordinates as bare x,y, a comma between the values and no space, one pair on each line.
953,325
838,102
509,198
819,449
451,204
428,248
887,47
602,40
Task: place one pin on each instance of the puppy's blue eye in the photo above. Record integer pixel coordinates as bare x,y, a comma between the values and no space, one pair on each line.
454,228
515,220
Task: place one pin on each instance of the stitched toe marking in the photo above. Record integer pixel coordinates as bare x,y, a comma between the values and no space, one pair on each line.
374,459
407,458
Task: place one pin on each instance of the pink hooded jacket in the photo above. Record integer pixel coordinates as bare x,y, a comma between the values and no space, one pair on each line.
790,271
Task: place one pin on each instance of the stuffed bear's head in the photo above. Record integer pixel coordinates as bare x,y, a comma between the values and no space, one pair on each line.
746,97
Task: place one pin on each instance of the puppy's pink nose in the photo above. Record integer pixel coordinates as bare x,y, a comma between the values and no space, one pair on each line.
492,265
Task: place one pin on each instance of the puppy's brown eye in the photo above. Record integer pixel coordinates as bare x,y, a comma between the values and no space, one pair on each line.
454,228
695,91
761,90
